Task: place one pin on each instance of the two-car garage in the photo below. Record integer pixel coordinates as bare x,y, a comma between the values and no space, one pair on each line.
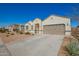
56,29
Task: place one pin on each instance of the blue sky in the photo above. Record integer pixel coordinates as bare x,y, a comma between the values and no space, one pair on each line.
22,13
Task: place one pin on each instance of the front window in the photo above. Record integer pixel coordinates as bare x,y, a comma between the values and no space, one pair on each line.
22,27
26,27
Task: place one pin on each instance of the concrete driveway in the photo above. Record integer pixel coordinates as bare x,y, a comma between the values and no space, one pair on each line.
38,45
3,49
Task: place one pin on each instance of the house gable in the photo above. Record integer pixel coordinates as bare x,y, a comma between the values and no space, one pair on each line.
37,20
55,20
28,23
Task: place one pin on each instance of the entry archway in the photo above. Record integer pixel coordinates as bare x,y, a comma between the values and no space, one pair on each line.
37,28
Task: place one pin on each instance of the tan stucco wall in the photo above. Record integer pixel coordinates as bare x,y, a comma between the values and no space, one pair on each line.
59,20
29,24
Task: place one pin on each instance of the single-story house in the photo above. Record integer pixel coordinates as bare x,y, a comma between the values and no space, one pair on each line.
15,27
54,24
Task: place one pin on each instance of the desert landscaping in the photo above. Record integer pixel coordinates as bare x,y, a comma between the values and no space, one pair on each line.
7,38
43,42
73,42
11,37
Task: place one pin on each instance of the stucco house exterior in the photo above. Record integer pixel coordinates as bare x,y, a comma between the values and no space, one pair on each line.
54,24
15,27
28,27
10,28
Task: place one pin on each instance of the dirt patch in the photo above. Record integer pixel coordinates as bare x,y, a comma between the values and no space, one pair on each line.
7,38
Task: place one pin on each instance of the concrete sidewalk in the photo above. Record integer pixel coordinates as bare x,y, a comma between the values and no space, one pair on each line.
38,45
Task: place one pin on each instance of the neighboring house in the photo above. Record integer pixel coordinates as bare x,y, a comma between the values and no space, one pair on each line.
19,27
57,25
14,27
10,28
22,28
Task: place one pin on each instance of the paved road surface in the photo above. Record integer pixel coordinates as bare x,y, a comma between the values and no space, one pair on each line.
3,50
38,45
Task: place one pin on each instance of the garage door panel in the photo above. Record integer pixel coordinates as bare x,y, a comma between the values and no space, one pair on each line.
54,29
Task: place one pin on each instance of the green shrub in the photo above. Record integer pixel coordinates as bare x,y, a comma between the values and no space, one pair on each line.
73,48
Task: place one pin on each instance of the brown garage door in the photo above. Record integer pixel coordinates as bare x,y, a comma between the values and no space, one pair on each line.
58,29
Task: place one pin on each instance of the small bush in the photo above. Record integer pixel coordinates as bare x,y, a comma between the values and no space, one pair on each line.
2,31
7,35
12,33
28,33
73,48
21,32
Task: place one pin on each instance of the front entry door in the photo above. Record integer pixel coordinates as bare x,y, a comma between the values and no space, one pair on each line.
36,28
